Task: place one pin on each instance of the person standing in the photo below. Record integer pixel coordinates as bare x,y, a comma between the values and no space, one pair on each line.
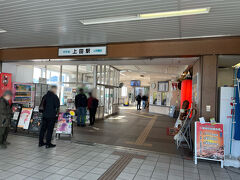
81,106
51,105
92,107
5,117
139,99
144,100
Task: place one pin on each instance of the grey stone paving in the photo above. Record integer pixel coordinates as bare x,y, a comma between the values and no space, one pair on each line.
69,161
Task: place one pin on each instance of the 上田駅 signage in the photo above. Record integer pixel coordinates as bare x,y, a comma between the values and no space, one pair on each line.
83,51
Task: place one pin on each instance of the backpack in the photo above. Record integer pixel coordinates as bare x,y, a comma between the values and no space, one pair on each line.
94,103
42,104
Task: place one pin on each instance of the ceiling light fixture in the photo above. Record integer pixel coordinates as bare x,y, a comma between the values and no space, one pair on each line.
175,13
146,16
108,20
2,31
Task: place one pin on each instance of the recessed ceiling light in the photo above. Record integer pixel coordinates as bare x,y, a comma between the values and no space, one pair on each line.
108,20
2,31
185,12
175,13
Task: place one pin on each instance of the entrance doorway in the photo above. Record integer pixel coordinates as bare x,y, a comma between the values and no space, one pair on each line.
108,101
129,128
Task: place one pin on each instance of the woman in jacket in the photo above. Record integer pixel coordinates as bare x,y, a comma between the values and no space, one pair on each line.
5,117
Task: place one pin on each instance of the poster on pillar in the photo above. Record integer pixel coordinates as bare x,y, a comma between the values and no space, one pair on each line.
195,89
209,143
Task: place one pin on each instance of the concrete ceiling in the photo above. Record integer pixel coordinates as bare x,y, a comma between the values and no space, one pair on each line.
47,22
228,60
150,72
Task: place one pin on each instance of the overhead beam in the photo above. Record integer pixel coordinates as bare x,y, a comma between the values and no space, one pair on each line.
133,50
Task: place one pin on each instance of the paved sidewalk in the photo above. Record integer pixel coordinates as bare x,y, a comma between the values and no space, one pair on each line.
24,160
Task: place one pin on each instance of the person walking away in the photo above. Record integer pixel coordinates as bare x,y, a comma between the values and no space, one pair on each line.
92,107
50,103
81,106
144,101
139,99
5,118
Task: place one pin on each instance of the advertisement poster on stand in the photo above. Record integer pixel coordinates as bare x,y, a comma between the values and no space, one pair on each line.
209,141
25,118
16,109
36,121
64,125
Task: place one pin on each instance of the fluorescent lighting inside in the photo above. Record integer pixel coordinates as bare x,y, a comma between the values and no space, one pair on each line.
2,31
108,20
186,12
175,13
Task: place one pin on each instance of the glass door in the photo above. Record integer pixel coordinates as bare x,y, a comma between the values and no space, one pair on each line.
111,101
108,105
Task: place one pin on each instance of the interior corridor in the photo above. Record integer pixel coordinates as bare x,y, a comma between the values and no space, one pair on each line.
131,128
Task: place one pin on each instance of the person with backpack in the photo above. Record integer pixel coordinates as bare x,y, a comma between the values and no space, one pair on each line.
49,107
81,107
139,99
92,107
5,117
144,101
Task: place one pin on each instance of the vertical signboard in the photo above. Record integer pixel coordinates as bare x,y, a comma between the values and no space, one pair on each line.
209,142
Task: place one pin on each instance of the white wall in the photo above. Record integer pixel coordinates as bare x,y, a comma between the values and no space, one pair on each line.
225,77
20,73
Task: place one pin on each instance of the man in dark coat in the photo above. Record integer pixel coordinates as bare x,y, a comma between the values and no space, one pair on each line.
51,104
139,99
81,107
5,117
144,103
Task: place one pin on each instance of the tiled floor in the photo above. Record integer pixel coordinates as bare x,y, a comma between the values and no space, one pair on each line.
24,160
127,127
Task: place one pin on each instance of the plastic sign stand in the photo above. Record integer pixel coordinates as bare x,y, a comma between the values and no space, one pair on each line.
209,142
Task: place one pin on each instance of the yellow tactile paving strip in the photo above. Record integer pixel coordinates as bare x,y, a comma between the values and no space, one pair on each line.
114,171
139,115
144,134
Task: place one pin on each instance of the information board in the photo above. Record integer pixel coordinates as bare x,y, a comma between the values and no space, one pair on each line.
209,142
36,121
83,51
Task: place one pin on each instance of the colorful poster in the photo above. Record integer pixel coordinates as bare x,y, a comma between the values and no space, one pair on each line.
25,118
16,109
209,141
64,125
195,89
35,122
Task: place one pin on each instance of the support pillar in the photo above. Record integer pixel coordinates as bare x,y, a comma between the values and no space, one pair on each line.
209,86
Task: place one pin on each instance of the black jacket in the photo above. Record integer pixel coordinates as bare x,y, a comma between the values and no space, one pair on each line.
81,100
51,105
138,98
5,113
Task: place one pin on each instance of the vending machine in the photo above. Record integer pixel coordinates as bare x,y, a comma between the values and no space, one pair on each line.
5,82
